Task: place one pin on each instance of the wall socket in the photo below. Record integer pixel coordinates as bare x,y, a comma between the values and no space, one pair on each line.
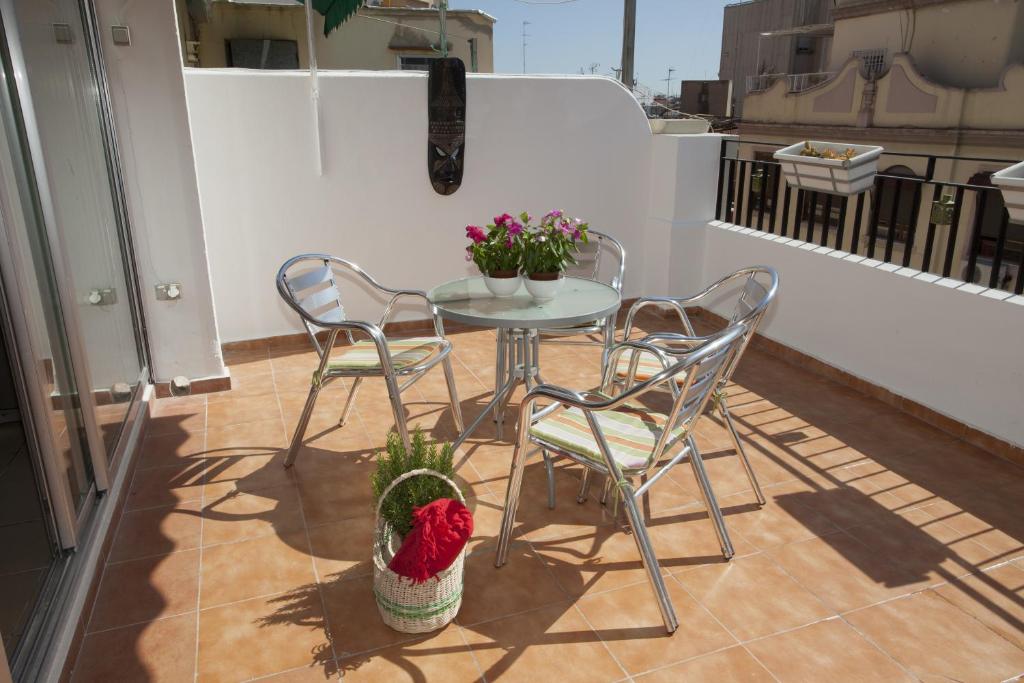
168,291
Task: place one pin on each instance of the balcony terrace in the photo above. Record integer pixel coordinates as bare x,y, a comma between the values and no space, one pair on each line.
880,406
887,549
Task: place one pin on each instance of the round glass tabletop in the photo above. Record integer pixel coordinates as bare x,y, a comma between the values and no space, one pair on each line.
468,301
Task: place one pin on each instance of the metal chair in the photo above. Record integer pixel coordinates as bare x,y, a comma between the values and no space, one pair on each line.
598,249
623,440
307,284
759,287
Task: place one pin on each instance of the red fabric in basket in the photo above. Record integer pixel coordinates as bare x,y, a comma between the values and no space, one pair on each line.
440,530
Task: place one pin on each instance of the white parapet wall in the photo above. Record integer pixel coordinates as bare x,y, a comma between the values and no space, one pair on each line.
532,143
951,346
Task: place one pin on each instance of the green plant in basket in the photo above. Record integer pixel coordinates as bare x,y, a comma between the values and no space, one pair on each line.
417,491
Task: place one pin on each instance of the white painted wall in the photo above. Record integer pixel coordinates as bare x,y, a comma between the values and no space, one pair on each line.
148,94
533,143
953,347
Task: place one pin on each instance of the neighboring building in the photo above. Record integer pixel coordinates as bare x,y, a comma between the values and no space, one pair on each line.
713,98
762,37
935,77
386,34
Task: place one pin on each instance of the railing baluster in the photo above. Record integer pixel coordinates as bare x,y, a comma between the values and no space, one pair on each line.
954,226
784,229
890,236
739,192
876,209
997,260
775,198
842,222
827,221
730,208
858,214
926,264
1019,287
915,213
813,201
749,222
972,256
799,213
761,199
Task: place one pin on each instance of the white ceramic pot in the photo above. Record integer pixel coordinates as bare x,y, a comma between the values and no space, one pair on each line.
502,286
1011,182
833,176
543,290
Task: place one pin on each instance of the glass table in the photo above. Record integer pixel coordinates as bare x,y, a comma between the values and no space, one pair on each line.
518,320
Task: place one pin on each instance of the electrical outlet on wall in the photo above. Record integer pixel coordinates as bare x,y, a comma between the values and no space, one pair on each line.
168,291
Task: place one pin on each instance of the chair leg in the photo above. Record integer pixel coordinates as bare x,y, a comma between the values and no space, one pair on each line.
515,485
549,466
350,401
606,490
453,394
710,501
649,559
399,411
300,429
581,497
727,419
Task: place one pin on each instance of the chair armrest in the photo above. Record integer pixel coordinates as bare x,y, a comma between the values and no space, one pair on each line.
398,294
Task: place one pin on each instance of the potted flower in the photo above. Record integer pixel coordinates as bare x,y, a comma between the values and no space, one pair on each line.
829,167
1011,182
497,252
547,250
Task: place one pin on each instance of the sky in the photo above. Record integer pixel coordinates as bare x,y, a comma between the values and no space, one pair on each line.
563,37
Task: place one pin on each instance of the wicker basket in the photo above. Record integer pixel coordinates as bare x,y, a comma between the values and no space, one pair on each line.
404,605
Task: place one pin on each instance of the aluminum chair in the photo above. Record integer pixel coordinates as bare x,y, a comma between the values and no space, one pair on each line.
308,285
759,287
618,438
599,249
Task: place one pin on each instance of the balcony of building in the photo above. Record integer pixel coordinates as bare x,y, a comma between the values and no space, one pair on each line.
879,402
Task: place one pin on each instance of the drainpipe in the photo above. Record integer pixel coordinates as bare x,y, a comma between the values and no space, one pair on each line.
314,87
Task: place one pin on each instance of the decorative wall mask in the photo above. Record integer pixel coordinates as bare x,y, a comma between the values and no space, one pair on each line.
446,127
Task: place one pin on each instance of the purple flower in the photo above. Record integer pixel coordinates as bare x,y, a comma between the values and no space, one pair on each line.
508,242
576,234
476,233
554,213
514,228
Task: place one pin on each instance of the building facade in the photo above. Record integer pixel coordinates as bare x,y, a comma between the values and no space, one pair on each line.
772,36
940,85
384,35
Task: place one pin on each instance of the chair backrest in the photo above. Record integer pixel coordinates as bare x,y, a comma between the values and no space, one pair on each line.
307,284
760,286
600,248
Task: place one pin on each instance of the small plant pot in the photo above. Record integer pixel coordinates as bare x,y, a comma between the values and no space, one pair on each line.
544,286
503,283
844,177
1011,182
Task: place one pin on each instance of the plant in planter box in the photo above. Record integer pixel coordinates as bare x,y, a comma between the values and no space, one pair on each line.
497,252
548,249
418,587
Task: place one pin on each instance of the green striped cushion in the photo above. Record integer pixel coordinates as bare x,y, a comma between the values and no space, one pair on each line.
404,352
631,433
647,368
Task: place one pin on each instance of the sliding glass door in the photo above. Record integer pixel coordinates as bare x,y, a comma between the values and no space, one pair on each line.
69,308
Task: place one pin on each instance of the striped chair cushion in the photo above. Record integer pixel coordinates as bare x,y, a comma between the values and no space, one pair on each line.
631,433
647,368
404,352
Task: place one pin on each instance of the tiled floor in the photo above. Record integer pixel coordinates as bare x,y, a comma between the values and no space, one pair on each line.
887,550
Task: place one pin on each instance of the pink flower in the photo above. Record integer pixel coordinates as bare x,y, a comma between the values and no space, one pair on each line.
514,228
476,233
508,242
554,213
502,219
576,234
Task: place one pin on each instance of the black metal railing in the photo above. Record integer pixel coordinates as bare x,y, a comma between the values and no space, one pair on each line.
954,229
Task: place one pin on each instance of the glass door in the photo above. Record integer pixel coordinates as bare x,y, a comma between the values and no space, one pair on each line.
66,118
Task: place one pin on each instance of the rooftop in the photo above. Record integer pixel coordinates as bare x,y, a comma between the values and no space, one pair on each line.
887,550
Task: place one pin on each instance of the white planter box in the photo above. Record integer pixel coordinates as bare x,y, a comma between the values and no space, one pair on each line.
833,176
1011,182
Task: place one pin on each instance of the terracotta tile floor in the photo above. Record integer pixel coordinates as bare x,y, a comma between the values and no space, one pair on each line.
887,550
